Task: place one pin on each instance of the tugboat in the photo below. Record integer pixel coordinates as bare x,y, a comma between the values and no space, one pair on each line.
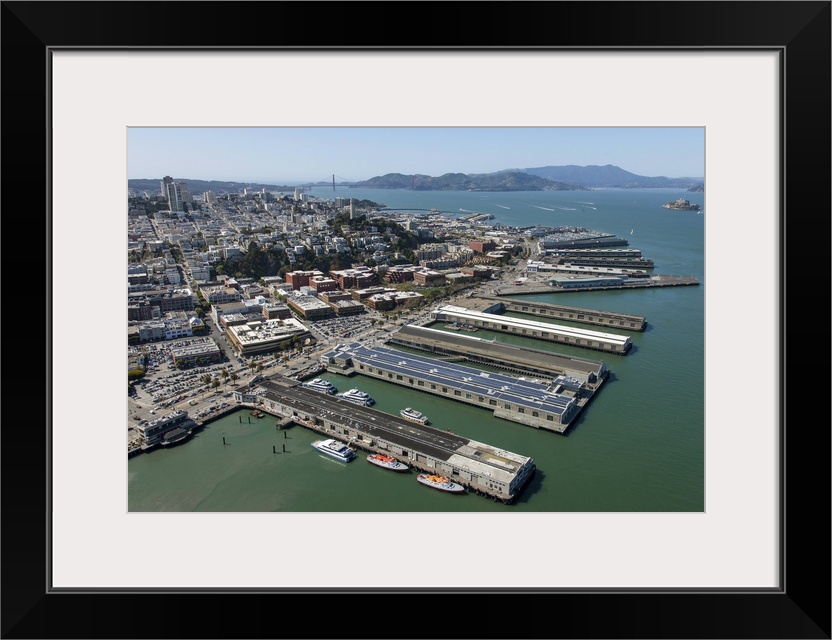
440,482
387,462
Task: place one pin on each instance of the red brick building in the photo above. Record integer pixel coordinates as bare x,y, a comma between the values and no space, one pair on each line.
300,279
482,246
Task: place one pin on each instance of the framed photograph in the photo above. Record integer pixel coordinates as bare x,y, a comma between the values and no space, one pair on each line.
753,77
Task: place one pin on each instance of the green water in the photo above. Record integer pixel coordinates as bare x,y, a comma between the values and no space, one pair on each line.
638,446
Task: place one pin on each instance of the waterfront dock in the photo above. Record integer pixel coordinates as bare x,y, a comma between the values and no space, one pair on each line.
550,404
508,357
481,468
529,287
609,319
546,331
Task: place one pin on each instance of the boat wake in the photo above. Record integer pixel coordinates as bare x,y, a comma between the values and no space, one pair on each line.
502,207
580,202
566,208
544,208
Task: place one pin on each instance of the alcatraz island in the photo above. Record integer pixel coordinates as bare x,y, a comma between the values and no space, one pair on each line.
681,205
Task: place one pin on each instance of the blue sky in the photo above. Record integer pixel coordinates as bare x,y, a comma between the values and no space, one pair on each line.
288,155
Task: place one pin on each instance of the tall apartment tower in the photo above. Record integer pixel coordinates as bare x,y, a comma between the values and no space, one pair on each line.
352,209
176,193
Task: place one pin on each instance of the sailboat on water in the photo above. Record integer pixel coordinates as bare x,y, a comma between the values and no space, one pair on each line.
631,231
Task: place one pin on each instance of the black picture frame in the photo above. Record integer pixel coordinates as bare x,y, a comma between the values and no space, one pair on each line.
799,31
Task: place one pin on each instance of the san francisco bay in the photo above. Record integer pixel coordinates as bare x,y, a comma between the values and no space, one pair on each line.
637,447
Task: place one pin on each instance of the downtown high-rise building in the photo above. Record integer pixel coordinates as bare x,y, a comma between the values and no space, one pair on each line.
176,193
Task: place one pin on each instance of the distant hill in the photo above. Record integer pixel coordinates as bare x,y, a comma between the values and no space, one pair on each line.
608,176
500,181
197,187
550,178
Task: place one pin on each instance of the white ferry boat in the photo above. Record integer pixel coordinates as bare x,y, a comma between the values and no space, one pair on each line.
324,386
356,396
334,449
415,416
387,462
440,482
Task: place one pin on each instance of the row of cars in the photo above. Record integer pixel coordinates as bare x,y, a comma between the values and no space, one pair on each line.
213,408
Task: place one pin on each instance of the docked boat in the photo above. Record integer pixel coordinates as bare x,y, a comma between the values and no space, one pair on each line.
176,436
387,462
334,449
415,416
324,386
356,396
440,482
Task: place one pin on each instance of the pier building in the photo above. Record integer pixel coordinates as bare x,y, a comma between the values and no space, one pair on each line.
509,357
603,272
152,433
593,283
576,337
481,468
563,312
550,404
601,240
599,257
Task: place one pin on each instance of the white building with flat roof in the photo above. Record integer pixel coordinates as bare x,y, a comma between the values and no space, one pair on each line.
263,336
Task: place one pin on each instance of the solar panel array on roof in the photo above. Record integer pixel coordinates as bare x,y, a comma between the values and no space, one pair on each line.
536,395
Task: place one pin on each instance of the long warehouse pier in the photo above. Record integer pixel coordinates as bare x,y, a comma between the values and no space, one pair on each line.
593,283
586,338
572,314
481,468
550,404
510,357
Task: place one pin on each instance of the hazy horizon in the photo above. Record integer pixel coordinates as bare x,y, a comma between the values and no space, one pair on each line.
279,156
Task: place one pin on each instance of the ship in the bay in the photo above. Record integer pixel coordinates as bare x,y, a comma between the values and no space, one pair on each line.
334,449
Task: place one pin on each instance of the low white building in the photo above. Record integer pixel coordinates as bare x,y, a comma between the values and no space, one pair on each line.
264,336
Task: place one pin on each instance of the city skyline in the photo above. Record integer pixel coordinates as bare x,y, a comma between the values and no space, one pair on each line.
280,155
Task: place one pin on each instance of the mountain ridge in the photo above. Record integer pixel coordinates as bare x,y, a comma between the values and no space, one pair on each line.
608,175
547,178
499,181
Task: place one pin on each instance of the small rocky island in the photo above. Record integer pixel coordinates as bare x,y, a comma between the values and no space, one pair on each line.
681,205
